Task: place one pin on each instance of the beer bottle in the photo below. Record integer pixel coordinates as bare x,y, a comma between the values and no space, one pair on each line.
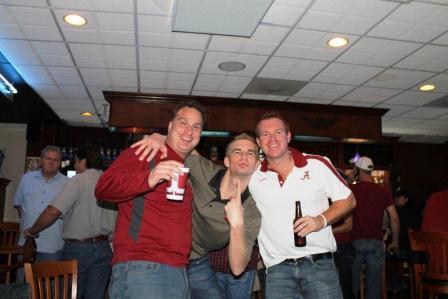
298,240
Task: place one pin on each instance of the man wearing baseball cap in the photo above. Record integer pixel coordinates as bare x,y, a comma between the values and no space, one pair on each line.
367,234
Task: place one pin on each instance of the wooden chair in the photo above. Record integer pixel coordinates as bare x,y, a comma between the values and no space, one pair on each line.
432,277
9,233
11,262
52,279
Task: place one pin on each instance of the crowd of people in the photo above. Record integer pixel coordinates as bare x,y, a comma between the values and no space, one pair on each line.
230,218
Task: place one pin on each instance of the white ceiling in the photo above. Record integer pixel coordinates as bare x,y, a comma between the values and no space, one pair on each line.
128,45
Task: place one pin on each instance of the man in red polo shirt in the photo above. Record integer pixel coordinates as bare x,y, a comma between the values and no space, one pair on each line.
152,240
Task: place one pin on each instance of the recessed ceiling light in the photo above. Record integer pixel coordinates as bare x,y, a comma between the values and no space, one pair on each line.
232,66
75,20
337,42
86,114
427,87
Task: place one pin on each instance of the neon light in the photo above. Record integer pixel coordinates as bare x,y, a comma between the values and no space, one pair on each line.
9,85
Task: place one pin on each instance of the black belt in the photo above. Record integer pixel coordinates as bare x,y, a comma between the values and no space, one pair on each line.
89,240
311,258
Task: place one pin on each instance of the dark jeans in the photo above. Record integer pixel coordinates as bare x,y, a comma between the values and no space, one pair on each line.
343,258
203,282
94,266
371,253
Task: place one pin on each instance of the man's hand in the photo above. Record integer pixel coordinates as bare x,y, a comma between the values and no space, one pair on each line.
392,247
164,171
234,209
149,146
28,234
308,224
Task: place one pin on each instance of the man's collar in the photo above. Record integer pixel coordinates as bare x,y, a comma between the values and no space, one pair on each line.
297,156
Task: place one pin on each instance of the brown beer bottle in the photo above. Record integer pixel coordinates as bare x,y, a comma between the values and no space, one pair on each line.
298,240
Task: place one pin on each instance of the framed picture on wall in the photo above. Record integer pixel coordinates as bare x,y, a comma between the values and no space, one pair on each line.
32,163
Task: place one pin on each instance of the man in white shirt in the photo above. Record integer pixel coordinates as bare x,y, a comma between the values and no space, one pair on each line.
286,176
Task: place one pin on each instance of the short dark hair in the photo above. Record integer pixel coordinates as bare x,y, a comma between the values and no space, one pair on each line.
269,115
92,155
192,104
242,136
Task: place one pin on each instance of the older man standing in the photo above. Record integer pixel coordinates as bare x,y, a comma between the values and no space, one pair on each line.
36,190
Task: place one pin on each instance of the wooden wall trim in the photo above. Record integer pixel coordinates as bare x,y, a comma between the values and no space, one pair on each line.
140,111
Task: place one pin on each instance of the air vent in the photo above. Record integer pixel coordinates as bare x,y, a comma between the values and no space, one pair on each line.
439,103
277,87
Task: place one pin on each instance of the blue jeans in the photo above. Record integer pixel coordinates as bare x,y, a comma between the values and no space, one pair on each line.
148,280
304,279
371,253
93,266
343,258
236,287
203,282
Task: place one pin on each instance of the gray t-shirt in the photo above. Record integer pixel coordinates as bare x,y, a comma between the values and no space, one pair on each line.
84,215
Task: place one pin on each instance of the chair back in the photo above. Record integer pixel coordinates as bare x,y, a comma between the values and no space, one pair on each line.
9,233
9,260
52,279
435,244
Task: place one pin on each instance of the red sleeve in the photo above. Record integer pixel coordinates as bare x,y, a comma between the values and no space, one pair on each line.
125,179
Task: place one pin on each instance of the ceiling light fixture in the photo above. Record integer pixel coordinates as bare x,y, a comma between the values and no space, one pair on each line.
231,66
427,87
337,42
75,20
86,114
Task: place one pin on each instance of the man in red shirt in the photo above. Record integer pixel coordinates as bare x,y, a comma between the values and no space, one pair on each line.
367,233
435,218
152,240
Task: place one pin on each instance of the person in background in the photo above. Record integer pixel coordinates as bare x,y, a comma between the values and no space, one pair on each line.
87,226
409,219
372,200
152,238
286,176
221,217
435,216
35,191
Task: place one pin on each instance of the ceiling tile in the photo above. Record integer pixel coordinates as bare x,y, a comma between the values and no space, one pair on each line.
370,94
101,5
164,59
155,7
377,52
285,12
165,91
347,73
65,75
32,16
264,41
425,113
441,82
310,101
395,78
220,83
75,92
443,40
48,91
11,31
394,110
215,94
310,44
291,68
324,91
429,58
413,98
34,75
35,3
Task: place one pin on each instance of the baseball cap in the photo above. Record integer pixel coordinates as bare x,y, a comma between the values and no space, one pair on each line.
364,163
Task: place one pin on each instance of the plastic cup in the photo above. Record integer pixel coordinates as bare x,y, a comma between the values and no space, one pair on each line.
176,188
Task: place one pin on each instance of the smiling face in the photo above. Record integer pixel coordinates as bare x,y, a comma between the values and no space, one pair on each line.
273,138
242,157
184,131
